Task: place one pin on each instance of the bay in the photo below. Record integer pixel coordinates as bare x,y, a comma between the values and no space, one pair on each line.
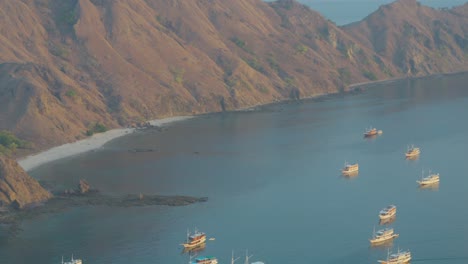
273,182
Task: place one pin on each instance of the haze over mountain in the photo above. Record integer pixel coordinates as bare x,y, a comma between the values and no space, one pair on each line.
66,65
343,12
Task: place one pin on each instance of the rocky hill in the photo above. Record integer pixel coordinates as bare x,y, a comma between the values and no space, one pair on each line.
66,65
18,188
417,39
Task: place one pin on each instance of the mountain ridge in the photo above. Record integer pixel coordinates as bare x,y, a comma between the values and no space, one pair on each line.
66,65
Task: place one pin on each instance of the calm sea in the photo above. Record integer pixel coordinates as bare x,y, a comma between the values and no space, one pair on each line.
273,182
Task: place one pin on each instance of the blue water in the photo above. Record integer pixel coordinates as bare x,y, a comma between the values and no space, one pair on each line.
273,182
347,11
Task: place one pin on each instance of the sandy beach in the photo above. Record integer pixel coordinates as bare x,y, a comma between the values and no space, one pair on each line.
94,142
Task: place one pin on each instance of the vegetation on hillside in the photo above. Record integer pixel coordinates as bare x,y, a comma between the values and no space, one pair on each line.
9,143
96,128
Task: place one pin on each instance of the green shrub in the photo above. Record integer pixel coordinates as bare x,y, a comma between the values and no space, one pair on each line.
71,93
9,142
96,128
240,43
369,75
301,49
255,64
178,75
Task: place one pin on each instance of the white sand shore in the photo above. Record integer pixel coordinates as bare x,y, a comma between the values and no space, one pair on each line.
96,141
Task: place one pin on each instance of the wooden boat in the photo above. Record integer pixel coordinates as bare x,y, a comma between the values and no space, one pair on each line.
350,169
371,132
194,240
431,179
201,247
401,257
412,152
382,236
387,212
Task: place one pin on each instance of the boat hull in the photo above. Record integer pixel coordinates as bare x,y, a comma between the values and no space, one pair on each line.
378,241
400,261
195,243
386,217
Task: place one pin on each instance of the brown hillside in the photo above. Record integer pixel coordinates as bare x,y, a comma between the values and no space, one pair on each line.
67,64
18,187
419,40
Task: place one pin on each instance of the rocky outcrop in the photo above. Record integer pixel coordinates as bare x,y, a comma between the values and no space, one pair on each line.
17,188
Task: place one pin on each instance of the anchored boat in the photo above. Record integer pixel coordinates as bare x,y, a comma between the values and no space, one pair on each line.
350,169
401,257
194,240
429,180
412,152
205,260
382,236
371,132
73,261
388,212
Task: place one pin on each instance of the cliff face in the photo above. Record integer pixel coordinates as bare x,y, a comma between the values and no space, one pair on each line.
67,64
418,40
17,187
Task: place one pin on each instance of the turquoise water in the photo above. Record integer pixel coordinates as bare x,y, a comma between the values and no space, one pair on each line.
347,11
273,182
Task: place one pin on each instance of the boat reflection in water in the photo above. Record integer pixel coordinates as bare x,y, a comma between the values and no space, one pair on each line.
430,187
197,249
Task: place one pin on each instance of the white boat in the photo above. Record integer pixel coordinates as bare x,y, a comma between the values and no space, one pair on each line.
247,259
382,236
412,152
72,261
387,212
429,180
205,260
401,257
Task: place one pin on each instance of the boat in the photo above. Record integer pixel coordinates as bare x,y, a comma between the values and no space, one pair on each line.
372,132
205,260
429,180
398,258
247,259
412,152
201,247
195,239
382,236
72,261
387,212
350,169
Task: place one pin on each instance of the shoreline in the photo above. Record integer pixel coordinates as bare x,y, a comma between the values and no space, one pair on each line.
81,146
98,140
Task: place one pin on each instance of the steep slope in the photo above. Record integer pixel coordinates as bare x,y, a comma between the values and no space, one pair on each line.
17,187
68,64
419,40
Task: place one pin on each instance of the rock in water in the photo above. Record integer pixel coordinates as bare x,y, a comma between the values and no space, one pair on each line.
83,187
17,188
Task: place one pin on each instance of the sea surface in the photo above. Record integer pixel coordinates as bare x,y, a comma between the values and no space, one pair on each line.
273,181
343,12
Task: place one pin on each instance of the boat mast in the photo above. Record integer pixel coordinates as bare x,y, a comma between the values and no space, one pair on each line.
232,258
247,257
